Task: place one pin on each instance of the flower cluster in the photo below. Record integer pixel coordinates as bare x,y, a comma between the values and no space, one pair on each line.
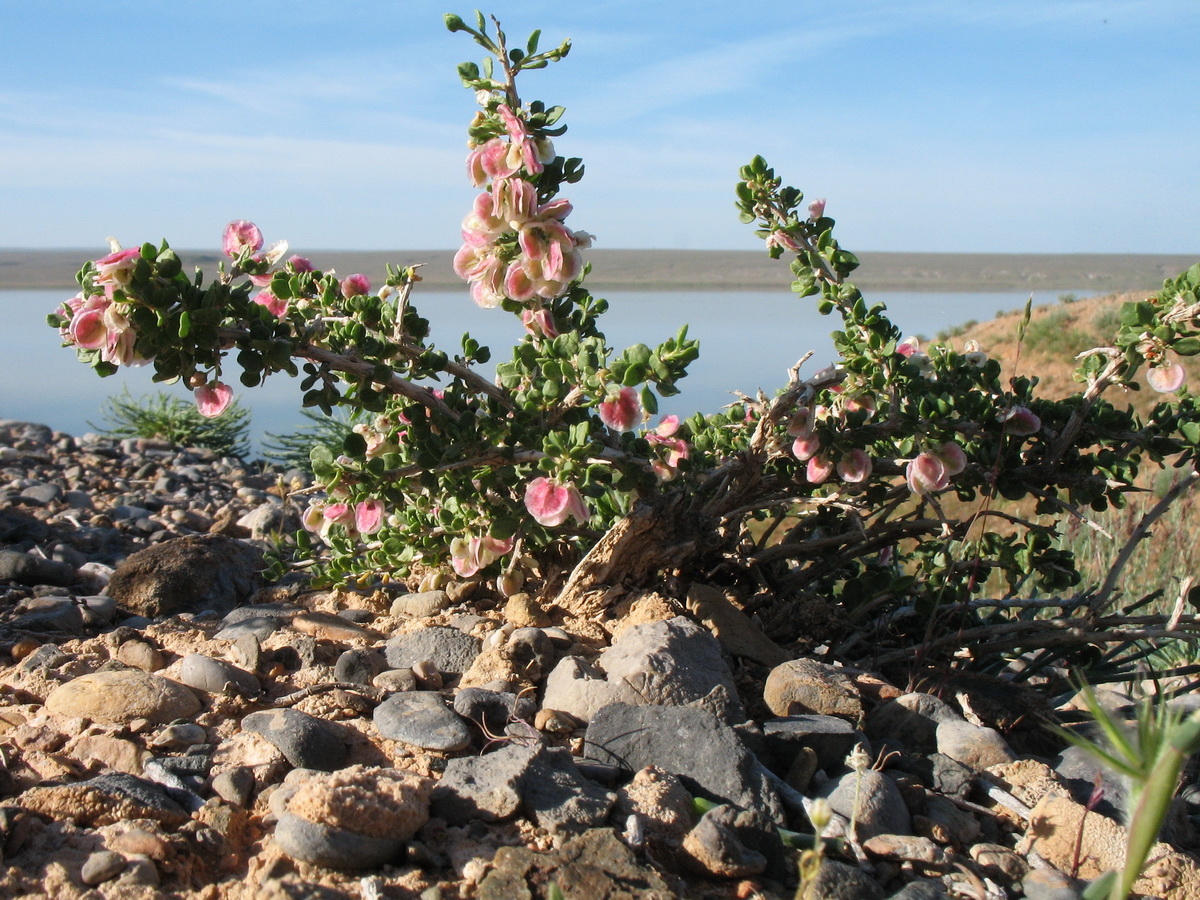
544,258
469,553
362,518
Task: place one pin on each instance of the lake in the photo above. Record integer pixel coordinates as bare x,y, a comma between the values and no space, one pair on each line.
747,340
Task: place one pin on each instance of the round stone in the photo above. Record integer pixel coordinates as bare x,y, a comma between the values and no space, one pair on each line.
215,676
122,696
101,867
421,719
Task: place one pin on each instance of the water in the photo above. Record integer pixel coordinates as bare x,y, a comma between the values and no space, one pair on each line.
748,340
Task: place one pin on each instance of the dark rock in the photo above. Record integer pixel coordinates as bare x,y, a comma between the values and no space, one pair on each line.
492,711
421,718
1083,773
925,889
260,621
484,788
557,797
910,720
17,526
188,574
41,494
359,665
450,649
691,743
25,568
839,881
304,740
59,614
716,847
832,738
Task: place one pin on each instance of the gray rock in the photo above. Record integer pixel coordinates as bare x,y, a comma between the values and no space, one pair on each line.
450,649
558,798
531,652
487,787
911,720
139,872
829,737
940,772
1048,884
215,676
421,718
196,573
51,614
269,519
492,711
421,604
716,848
359,665
25,568
334,847
260,621
395,680
1082,773
305,741
41,494
880,805
660,663
976,746
234,785
707,755
101,866
78,500
102,606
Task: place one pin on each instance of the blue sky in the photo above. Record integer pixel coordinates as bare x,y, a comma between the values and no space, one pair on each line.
939,125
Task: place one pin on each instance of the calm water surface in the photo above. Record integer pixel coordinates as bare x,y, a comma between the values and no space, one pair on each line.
747,340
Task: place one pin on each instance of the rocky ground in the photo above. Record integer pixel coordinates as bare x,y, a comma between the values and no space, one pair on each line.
171,726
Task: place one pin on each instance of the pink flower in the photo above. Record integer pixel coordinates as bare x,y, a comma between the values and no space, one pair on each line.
622,410
908,346
818,470
539,322
368,516
470,554
551,503
816,209
521,142
1166,378
953,458
299,263
117,267
676,448
213,399
806,447
1020,421
855,466
355,285
783,240
276,306
926,473
239,237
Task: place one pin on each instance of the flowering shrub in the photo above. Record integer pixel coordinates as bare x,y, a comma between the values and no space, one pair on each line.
871,484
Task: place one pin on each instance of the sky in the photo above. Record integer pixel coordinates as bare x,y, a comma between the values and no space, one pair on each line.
929,125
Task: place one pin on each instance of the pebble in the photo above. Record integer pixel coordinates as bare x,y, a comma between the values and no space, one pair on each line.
395,680
102,866
234,785
215,676
420,605
359,665
141,655
975,746
330,627
807,686
420,718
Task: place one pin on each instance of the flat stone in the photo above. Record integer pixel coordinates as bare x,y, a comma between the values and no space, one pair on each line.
305,741
330,627
259,621
486,787
421,718
873,800
25,568
450,649
830,737
359,665
105,800
840,881
121,696
910,720
707,755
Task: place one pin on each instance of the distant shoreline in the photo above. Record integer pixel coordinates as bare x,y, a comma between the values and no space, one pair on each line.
703,270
